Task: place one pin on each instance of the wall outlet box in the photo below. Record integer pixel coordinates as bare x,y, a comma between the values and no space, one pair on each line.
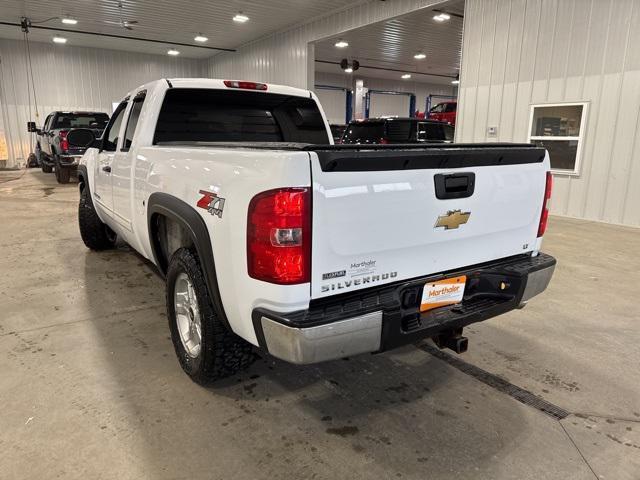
492,131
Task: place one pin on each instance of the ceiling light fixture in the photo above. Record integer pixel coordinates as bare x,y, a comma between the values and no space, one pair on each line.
406,76
456,81
348,70
200,38
59,40
69,20
420,56
342,44
442,17
240,17
173,52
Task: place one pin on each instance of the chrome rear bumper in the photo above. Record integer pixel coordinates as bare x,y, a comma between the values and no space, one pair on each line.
339,339
389,316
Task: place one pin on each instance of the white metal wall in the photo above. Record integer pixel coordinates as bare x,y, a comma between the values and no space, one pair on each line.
383,105
72,78
522,52
334,104
282,57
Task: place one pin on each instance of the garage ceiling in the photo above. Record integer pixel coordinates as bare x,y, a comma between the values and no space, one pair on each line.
164,20
393,43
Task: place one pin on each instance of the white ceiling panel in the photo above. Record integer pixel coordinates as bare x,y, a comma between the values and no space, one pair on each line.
392,44
176,21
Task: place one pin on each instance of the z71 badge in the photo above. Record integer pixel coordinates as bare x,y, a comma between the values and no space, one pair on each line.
211,202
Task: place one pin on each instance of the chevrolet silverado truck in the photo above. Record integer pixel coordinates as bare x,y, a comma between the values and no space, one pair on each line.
52,148
270,236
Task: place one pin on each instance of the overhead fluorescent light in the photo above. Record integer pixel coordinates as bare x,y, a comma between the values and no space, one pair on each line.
59,40
442,17
240,17
69,21
406,76
420,56
348,70
173,52
455,82
200,38
342,44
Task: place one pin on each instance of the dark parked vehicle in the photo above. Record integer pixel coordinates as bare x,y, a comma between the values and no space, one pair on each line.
53,149
397,130
337,130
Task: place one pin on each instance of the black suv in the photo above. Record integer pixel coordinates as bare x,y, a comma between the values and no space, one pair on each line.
52,148
397,130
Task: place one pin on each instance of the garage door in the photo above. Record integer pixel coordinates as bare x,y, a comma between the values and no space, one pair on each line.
384,105
334,104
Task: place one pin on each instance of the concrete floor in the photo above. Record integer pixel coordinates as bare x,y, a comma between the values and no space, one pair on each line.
90,387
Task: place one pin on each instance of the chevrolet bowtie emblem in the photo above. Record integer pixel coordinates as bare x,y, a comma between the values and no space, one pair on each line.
453,219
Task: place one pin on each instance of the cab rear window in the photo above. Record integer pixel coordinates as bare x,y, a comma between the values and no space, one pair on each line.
81,120
190,115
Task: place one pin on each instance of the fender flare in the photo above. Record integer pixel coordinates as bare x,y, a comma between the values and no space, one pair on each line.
184,214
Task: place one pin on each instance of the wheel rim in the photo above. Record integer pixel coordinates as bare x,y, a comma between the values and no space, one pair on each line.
187,315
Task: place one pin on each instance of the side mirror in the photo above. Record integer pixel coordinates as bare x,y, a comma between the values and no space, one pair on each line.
31,127
83,138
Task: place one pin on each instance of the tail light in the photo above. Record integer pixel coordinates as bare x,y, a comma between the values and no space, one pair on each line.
544,216
245,85
279,236
384,141
64,143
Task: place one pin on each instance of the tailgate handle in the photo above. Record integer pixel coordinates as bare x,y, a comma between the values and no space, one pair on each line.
455,185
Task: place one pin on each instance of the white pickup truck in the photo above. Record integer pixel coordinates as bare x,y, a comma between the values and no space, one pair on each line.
269,235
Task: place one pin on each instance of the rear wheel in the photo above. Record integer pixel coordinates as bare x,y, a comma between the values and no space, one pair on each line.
206,349
95,234
63,174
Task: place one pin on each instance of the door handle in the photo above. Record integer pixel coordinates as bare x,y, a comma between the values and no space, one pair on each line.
106,168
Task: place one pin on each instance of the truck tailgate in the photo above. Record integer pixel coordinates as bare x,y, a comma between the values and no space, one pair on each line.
388,214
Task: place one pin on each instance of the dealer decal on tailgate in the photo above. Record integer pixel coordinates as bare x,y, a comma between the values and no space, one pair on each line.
442,293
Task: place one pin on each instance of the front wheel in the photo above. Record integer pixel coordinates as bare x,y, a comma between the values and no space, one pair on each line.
46,168
95,234
206,349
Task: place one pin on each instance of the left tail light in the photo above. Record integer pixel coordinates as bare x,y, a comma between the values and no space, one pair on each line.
279,236
64,143
544,216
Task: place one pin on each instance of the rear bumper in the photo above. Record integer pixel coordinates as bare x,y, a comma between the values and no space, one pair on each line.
69,160
388,316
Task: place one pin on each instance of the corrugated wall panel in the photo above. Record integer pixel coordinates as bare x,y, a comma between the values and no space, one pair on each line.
520,52
73,78
333,103
282,57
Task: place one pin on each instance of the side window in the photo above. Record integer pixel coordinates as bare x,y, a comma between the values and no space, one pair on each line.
134,116
47,122
113,129
451,107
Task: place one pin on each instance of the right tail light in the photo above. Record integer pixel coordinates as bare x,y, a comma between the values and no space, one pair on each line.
544,216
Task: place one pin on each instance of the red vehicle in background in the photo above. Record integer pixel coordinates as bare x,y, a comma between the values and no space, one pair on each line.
444,112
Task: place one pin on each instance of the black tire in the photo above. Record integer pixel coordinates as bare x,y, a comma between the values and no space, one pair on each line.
95,234
46,168
63,174
222,353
